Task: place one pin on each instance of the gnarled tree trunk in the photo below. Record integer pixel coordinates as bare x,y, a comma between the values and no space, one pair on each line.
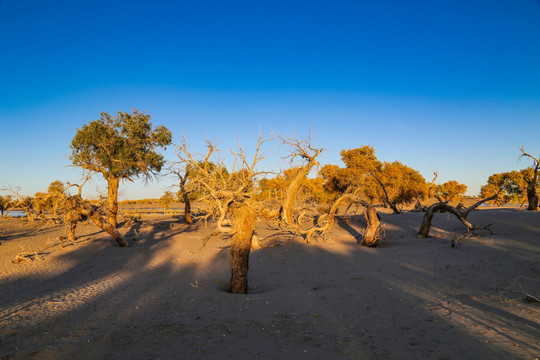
531,195
244,220
71,218
292,190
372,234
112,199
187,207
304,150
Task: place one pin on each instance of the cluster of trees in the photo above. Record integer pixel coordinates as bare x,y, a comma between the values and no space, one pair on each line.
6,204
126,145
391,183
43,204
515,187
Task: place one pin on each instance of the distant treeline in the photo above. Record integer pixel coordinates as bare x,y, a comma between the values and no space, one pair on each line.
140,201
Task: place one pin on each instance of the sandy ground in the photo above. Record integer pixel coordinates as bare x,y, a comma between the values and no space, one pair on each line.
164,298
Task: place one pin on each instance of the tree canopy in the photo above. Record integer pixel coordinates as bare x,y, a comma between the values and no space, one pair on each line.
121,146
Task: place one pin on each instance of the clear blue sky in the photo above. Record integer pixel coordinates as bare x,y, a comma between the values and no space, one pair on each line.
451,86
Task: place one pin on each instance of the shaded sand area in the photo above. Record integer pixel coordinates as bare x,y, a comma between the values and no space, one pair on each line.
164,297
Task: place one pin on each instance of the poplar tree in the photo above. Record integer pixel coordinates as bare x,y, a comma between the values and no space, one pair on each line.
120,147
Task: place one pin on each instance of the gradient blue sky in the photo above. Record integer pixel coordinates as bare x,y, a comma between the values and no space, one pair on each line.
451,86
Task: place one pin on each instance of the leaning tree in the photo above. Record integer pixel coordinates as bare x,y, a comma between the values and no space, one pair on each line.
300,148
120,147
459,211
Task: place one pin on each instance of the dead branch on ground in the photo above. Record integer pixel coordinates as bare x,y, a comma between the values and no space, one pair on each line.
527,296
28,256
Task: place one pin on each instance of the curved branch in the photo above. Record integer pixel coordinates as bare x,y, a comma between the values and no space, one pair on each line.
460,213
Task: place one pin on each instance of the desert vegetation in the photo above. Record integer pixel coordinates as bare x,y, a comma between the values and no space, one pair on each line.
303,199
232,203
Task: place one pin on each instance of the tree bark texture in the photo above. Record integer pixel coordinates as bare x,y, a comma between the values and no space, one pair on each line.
112,199
531,196
71,220
244,220
372,233
423,232
187,207
292,191
110,229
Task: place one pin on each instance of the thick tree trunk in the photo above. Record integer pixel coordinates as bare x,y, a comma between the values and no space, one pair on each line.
71,220
244,220
187,207
112,199
531,196
292,191
393,207
372,233
426,223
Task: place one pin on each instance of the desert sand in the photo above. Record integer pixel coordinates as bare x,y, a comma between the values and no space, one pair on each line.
165,296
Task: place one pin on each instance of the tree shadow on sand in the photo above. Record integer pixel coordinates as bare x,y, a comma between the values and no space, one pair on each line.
163,297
